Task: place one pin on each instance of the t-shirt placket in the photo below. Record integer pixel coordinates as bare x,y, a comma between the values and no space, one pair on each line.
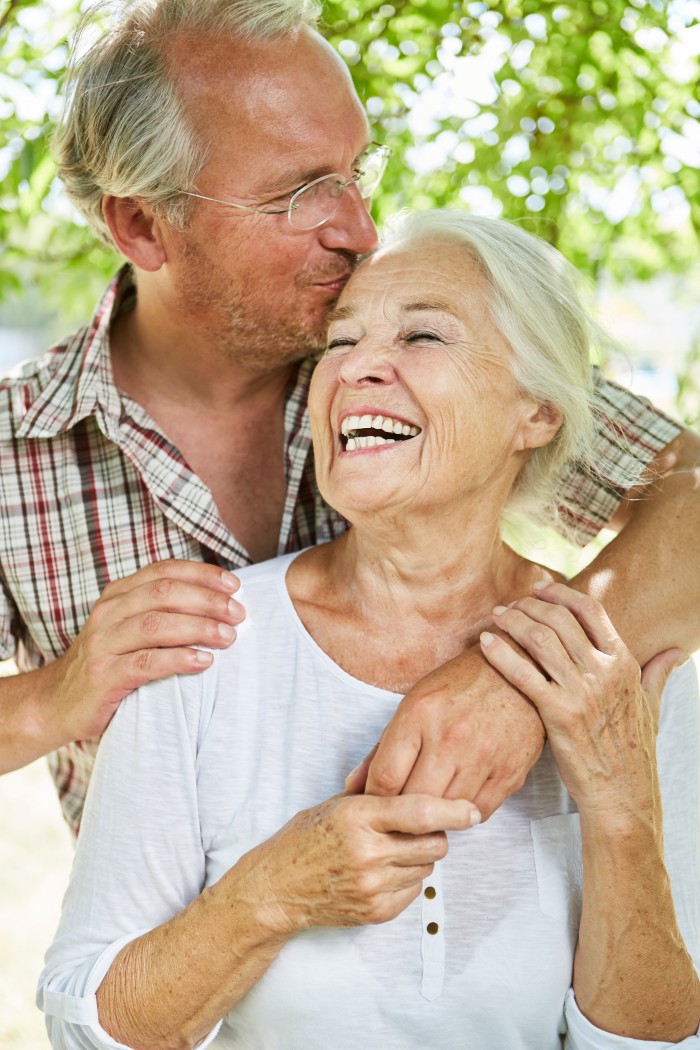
433,939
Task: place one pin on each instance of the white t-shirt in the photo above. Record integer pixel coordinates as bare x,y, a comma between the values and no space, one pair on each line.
194,771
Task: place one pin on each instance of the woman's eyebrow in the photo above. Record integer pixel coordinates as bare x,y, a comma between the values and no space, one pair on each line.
345,313
342,313
434,305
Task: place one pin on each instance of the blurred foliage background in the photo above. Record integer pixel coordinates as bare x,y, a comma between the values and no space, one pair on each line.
580,119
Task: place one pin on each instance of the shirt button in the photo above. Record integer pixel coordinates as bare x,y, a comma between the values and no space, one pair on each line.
430,892
432,927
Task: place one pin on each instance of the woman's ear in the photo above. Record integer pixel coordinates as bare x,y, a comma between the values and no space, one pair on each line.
135,230
540,424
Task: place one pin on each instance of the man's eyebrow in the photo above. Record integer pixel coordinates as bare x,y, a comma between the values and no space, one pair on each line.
291,180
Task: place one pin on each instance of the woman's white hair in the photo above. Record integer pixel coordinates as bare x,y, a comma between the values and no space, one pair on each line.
535,302
123,130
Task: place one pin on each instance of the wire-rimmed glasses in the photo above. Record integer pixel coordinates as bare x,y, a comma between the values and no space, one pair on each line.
315,203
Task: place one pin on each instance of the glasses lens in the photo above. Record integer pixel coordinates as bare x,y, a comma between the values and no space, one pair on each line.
314,204
318,202
372,167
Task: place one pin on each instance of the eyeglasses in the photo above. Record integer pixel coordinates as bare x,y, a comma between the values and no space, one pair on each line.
318,201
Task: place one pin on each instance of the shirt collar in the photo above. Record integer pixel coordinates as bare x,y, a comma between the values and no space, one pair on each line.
82,383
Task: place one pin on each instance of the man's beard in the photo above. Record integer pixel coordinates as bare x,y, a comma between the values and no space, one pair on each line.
242,328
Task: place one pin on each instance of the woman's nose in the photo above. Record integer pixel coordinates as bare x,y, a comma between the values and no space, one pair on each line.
368,363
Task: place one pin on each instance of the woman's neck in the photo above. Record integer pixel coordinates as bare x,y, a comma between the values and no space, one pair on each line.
389,605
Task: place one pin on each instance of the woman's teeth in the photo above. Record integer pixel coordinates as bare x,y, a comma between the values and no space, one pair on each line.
382,430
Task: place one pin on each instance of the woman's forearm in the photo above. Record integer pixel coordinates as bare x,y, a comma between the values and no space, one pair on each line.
632,974
170,987
350,861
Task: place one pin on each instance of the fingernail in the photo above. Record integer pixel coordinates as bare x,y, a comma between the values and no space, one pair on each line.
475,818
539,585
226,632
235,608
486,637
202,658
498,609
351,774
229,581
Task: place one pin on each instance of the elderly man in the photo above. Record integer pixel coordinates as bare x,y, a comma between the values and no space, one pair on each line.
221,146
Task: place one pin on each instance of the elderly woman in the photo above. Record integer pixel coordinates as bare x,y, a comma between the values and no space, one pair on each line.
223,873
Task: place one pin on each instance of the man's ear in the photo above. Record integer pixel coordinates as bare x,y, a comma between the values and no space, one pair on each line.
136,231
539,425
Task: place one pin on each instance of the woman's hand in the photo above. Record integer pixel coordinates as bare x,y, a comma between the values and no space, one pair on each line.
601,714
355,859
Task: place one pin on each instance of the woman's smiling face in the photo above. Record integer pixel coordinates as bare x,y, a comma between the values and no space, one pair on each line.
414,405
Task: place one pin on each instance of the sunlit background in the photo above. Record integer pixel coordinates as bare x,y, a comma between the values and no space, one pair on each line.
580,119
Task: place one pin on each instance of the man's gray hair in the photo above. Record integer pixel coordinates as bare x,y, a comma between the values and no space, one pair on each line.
123,131
534,300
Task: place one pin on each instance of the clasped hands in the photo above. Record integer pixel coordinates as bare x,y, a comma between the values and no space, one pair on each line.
472,729
461,741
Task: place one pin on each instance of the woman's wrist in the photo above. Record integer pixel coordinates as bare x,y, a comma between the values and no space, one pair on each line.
622,826
251,894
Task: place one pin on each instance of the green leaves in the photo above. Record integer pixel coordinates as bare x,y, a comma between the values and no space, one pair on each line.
581,120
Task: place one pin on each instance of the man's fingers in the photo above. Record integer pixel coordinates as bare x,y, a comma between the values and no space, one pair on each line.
147,665
431,775
168,595
491,797
424,814
198,573
356,780
156,630
394,759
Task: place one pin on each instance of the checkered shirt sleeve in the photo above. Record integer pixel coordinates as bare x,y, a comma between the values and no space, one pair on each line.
630,434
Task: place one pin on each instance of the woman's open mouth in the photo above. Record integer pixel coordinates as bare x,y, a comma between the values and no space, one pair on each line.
370,431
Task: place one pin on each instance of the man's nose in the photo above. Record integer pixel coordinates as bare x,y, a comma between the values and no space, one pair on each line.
351,228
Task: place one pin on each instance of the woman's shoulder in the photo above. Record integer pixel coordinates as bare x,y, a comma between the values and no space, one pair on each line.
262,585
264,572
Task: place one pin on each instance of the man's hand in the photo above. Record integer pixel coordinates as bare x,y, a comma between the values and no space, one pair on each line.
142,628
461,732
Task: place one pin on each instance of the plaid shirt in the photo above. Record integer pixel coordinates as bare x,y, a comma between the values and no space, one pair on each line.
91,490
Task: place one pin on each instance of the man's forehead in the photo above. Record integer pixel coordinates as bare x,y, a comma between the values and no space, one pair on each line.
249,71
264,96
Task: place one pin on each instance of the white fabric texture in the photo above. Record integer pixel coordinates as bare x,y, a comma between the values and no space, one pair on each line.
194,771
